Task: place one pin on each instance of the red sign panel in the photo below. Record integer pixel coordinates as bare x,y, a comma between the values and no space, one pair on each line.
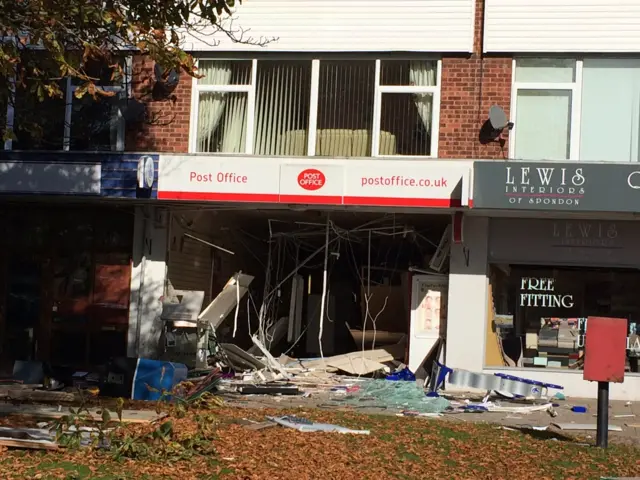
605,352
311,179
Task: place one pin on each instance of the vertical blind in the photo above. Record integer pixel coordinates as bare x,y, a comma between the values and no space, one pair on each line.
346,96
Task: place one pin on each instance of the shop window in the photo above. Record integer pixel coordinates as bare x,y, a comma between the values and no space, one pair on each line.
72,276
68,280
23,306
344,108
6,114
28,232
561,107
538,315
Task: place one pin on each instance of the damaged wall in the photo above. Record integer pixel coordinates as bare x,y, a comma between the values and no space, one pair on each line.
147,281
468,280
194,265
190,262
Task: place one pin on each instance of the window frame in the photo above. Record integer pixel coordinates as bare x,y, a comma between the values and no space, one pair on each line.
379,90
124,87
575,112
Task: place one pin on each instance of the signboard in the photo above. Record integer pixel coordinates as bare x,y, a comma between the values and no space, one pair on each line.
108,174
402,183
580,187
564,242
50,178
428,315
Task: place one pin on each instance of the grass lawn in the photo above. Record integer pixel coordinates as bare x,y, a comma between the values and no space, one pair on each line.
398,448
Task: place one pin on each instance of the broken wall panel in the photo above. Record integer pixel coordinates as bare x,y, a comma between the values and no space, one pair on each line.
190,265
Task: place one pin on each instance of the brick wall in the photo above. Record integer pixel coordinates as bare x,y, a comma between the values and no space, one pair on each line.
166,128
470,85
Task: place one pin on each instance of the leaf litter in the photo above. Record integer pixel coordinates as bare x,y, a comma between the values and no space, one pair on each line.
398,447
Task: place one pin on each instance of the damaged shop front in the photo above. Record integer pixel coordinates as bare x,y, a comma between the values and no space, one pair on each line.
318,265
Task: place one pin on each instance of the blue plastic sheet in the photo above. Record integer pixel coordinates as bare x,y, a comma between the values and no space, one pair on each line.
403,375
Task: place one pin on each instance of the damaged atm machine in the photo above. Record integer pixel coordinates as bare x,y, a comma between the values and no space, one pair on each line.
243,284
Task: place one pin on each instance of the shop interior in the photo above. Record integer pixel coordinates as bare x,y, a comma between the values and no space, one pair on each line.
538,314
352,269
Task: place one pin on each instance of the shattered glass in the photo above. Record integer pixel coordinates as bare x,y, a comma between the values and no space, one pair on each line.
400,395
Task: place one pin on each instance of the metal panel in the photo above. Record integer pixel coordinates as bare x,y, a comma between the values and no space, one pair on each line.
74,173
190,267
566,26
564,242
349,25
48,178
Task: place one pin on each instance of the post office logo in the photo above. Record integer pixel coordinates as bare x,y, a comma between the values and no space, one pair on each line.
311,179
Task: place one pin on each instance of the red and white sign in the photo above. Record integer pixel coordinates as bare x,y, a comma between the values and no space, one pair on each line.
320,183
406,183
220,179
400,183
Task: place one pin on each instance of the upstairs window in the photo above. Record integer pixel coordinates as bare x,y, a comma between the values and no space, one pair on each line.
70,123
338,108
586,109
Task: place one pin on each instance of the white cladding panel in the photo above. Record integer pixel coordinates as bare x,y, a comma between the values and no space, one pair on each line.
346,26
562,26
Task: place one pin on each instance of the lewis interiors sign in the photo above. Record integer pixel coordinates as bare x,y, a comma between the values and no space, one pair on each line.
596,187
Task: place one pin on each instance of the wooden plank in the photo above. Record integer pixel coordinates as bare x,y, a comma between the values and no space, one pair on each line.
29,444
45,411
242,358
380,355
584,426
41,395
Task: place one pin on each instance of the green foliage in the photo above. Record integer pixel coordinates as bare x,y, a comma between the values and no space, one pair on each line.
45,41
160,442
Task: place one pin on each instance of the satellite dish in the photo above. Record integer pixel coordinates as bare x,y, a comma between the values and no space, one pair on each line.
166,82
492,128
498,118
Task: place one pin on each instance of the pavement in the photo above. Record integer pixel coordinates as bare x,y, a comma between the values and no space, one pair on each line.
625,415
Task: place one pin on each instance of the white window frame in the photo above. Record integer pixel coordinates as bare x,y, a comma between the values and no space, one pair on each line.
377,109
250,90
124,87
576,105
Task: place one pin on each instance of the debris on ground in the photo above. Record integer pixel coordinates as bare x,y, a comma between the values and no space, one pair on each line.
584,426
304,425
396,394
